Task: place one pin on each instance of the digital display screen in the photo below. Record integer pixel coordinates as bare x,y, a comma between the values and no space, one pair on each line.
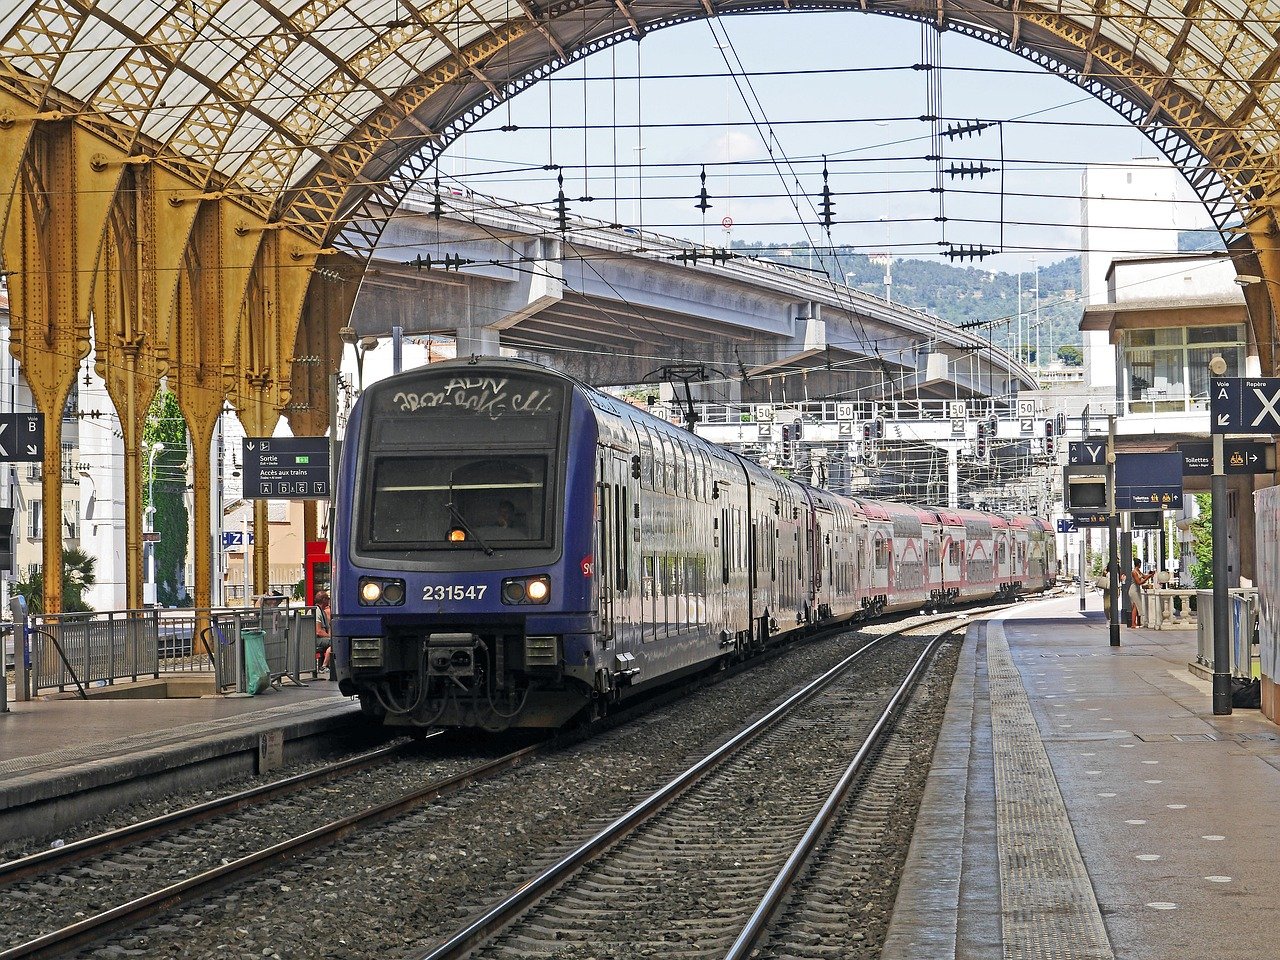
1087,494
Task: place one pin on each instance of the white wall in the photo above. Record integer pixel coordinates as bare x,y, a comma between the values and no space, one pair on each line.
1128,210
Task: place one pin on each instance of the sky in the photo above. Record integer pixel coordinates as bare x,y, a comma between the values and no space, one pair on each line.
865,119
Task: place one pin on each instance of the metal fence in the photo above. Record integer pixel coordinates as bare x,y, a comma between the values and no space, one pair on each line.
79,650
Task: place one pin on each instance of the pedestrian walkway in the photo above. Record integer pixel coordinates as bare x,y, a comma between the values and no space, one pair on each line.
1085,802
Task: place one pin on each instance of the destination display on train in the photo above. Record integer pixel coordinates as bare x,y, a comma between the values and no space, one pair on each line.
286,468
478,395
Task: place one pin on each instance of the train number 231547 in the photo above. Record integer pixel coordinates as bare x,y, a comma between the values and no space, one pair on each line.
454,591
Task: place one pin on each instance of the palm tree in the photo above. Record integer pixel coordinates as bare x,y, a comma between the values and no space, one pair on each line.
78,575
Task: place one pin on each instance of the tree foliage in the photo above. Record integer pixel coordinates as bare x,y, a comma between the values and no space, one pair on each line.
78,575
165,424
1202,543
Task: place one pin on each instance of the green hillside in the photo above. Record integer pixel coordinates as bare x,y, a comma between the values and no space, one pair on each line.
963,294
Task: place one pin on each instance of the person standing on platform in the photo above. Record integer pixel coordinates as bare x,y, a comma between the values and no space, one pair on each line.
1137,580
1103,583
324,645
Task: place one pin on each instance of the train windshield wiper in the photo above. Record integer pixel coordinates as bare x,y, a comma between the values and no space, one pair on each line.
488,550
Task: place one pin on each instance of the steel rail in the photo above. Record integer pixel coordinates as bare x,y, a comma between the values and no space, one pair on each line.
753,932
46,860
524,897
129,914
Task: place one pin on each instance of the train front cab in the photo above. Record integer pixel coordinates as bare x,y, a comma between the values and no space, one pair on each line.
447,612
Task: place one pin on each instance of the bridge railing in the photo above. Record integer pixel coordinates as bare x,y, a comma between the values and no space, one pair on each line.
831,411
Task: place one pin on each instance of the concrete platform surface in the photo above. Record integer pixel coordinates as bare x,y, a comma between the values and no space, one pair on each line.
63,760
1086,803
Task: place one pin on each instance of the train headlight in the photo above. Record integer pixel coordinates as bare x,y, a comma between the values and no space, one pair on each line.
457,535
520,590
381,592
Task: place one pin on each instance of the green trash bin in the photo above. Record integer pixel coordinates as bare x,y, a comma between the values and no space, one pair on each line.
257,673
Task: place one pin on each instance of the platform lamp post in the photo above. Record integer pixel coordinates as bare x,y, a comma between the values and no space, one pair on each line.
359,346
149,554
1221,615
1113,533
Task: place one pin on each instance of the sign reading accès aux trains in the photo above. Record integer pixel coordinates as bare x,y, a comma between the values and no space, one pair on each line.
286,468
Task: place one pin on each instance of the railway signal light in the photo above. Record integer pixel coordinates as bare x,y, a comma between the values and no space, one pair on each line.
868,431
980,448
786,433
1049,428
879,428
796,430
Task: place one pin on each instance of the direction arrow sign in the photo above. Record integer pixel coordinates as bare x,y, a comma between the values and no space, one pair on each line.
1090,519
1148,481
286,468
1092,452
1244,405
1241,458
22,437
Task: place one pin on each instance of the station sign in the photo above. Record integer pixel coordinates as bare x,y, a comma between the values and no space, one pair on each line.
1239,458
286,468
22,437
1087,452
1066,524
235,538
1244,405
1148,481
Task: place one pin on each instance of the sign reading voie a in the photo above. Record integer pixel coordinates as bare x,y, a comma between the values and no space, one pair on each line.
1244,405
286,468
1148,481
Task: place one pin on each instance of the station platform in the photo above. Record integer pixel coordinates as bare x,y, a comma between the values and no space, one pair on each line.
64,759
1084,802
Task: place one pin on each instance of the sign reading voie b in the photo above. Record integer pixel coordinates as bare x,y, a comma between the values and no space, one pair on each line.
286,468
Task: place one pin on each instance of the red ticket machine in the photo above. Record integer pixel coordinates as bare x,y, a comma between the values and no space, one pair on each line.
317,562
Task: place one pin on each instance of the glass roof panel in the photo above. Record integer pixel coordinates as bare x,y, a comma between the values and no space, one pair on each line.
83,69
344,34
248,133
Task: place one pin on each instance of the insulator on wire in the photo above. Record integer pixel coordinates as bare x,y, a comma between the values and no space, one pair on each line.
704,201
562,214
437,204
827,206
965,251
970,169
959,131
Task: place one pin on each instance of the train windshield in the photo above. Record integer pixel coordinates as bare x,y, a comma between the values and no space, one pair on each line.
458,501
462,461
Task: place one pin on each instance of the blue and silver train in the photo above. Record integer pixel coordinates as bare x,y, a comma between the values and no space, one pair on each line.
515,548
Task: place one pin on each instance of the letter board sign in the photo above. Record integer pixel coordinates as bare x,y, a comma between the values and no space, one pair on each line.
1148,481
1244,405
22,437
286,468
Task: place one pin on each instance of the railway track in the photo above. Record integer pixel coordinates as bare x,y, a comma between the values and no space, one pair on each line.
130,877
678,873
127,875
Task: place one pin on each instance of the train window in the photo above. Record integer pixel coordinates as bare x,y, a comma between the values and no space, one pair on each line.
418,501
623,545
647,453
881,552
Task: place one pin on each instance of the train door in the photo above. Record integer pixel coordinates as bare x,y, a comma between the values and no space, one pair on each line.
605,547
